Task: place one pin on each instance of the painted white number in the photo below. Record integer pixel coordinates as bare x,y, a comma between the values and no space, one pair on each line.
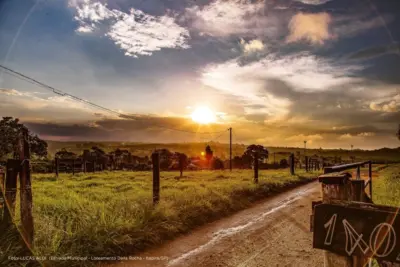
353,239
331,229
382,233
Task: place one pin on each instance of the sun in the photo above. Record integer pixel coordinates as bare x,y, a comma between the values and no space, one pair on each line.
203,115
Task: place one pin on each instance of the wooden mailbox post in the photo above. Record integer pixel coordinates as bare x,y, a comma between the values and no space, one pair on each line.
349,227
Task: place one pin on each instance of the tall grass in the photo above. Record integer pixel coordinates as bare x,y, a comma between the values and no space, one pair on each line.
111,213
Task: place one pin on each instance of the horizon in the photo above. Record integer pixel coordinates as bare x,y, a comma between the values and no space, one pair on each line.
238,144
278,72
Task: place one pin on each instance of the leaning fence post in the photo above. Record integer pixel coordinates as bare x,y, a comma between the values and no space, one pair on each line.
155,157
26,202
256,167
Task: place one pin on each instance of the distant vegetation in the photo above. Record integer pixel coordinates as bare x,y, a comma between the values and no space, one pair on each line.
221,150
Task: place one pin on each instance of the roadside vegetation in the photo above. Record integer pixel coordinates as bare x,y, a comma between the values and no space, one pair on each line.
111,213
386,187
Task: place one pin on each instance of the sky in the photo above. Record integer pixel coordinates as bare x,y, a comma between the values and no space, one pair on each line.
279,72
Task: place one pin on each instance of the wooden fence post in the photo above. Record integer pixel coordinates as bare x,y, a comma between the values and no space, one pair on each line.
358,177
155,157
26,202
10,189
57,163
2,199
73,167
84,166
291,164
306,163
370,178
336,187
256,167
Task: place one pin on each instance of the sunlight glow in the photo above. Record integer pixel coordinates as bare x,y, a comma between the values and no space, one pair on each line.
203,115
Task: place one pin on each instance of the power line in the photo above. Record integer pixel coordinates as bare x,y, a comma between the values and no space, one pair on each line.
28,79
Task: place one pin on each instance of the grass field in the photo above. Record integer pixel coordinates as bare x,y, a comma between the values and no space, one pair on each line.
111,213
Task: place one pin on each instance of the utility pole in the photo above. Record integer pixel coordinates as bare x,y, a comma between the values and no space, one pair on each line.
230,148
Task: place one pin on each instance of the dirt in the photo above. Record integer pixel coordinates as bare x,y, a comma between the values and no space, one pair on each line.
274,232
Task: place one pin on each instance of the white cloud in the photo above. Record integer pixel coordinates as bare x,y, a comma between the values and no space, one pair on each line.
310,27
236,17
85,29
345,136
139,34
7,91
252,46
359,136
302,137
303,71
386,104
313,2
136,32
366,134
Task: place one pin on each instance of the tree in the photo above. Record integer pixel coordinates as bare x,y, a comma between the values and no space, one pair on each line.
10,130
64,154
283,163
217,164
165,158
262,152
398,133
182,161
209,153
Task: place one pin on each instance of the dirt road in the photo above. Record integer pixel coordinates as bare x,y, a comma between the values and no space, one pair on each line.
274,232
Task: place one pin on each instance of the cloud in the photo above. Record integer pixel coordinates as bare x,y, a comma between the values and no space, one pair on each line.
302,137
313,28
35,105
345,137
10,92
351,25
85,29
252,46
313,2
376,51
237,17
348,136
366,134
390,104
136,32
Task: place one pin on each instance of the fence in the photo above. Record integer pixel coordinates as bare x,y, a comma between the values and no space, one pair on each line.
14,168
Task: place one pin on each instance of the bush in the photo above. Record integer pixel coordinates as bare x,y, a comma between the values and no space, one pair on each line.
217,164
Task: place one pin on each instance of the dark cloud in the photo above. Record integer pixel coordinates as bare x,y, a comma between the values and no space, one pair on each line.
138,128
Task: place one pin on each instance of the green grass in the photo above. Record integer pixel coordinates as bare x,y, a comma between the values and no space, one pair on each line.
386,188
111,213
